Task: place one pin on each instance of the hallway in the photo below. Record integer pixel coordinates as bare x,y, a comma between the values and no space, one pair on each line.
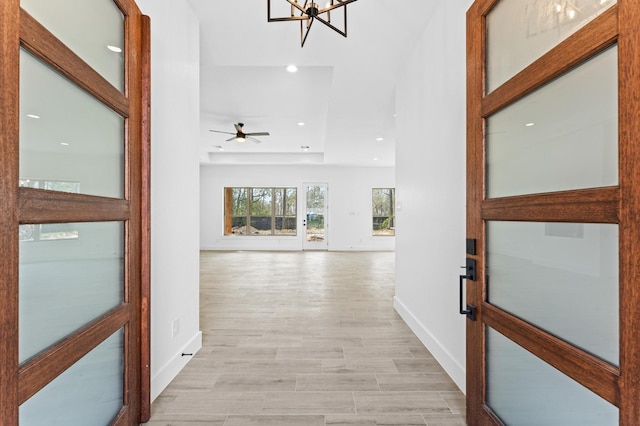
306,338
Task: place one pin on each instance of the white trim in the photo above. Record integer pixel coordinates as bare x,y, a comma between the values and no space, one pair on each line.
170,370
456,371
337,248
363,248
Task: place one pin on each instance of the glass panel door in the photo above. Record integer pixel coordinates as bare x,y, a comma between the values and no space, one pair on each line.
314,221
71,185
93,386
559,137
68,135
65,284
520,31
552,184
98,38
549,274
525,391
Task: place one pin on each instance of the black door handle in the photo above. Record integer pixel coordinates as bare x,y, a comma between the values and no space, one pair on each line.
470,311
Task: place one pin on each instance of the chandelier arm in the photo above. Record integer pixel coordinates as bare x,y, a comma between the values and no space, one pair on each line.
335,6
303,34
288,18
291,18
338,30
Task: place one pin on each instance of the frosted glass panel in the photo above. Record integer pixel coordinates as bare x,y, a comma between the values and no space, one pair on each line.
66,135
66,283
561,277
523,390
563,136
90,392
521,31
94,30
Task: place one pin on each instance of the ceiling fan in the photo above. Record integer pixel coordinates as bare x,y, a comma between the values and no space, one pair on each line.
240,136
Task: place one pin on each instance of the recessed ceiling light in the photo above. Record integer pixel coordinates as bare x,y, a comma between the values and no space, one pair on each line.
530,124
292,68
375,158
300,123
379,139
64,144
33,116
115,49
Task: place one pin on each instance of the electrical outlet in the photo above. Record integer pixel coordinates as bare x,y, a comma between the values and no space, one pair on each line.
175,327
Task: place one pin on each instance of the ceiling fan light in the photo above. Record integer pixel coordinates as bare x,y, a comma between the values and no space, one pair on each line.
240,139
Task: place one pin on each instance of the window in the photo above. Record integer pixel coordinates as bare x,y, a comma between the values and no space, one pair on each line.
260,211
384,211
50,231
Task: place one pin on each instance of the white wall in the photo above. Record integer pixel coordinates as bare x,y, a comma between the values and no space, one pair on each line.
349,204
430,185
174,187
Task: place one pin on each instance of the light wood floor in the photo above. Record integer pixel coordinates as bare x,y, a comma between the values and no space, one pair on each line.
306,339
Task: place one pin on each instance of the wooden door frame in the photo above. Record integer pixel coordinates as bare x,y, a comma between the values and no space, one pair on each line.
145,232
619,205
9,175
26,205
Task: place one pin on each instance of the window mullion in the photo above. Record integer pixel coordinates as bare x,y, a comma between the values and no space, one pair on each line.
273,211
249,197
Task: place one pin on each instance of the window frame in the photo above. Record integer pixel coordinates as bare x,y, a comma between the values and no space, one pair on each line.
229,217
391,216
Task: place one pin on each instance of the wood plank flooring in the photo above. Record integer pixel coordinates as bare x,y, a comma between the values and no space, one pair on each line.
306,339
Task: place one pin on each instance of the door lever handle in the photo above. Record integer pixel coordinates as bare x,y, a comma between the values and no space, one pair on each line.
470,268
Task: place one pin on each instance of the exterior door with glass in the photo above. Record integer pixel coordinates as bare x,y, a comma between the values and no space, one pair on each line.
553,177
72,212
314,221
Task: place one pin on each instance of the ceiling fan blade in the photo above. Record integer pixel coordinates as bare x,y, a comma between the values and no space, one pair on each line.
254,140
258,134
219,131
230,139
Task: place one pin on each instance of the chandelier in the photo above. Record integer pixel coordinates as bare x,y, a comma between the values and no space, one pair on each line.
310,11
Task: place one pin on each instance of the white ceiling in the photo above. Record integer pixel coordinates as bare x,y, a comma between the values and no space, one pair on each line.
343,91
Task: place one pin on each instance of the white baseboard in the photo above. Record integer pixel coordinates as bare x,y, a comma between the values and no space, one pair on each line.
170,370
359,248
450,365
280,248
